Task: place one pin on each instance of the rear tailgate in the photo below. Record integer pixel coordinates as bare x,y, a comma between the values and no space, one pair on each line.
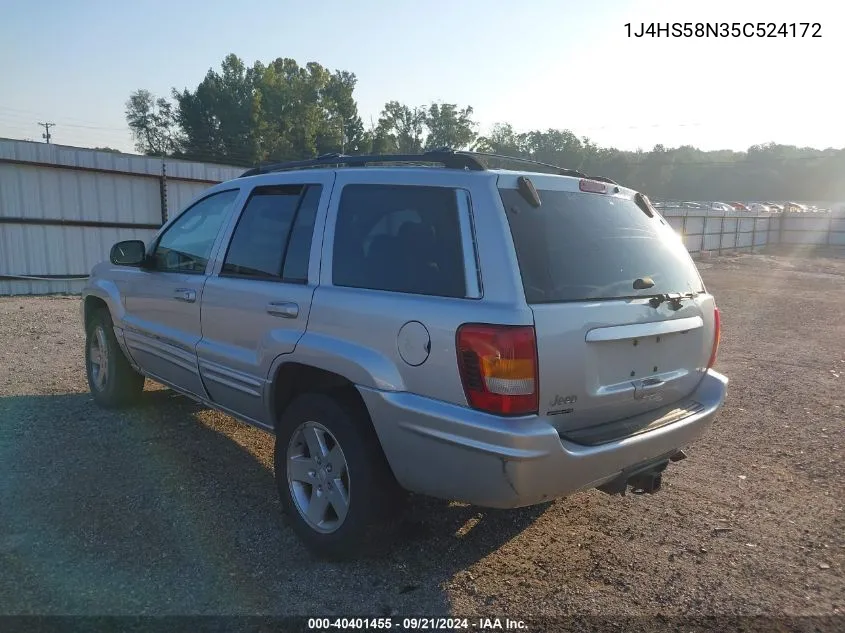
606,351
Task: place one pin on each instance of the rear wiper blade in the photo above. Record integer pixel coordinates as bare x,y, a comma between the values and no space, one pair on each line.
673,298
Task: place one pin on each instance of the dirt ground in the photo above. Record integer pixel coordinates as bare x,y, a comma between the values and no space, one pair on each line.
169,508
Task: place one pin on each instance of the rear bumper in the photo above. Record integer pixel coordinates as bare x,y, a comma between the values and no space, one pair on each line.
453,452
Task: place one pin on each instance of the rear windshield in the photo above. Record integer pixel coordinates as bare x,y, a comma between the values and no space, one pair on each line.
581,246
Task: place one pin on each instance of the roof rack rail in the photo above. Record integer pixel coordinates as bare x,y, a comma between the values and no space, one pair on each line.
556,169
444,156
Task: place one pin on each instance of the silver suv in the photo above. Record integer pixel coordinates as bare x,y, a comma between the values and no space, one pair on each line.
423,323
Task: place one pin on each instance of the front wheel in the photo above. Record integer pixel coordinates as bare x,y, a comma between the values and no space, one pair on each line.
112,380
333,479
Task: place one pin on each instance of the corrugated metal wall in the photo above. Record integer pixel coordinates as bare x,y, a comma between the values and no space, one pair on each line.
180,193
62,208
731,232
828,229
735,232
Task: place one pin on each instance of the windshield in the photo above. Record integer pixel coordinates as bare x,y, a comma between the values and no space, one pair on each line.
581,246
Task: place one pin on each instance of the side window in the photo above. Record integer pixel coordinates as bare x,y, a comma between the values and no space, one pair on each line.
299,245
186,244
273,234
399,238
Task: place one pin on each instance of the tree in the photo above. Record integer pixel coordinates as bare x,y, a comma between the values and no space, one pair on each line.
449,127
218,118
558,147
281,111
654,170
346,130
400,129
285,111
502,140
409,130
291,116
152,123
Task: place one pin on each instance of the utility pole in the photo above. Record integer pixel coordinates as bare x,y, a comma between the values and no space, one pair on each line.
46,126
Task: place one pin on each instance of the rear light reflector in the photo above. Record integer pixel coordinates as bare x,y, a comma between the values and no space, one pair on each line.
592,186
717,335
498,368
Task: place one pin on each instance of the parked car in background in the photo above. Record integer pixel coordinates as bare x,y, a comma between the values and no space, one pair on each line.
722,207
738,206
795,207
759,207
691,205
775,207
453,331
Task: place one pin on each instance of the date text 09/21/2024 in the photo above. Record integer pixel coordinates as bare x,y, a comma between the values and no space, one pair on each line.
416,624
723,29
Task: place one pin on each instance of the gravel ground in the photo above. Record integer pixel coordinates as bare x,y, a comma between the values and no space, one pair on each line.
170,508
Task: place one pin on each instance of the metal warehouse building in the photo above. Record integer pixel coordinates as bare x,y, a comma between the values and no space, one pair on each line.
62,208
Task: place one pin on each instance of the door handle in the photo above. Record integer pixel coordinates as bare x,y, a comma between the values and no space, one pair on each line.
185,294
284,309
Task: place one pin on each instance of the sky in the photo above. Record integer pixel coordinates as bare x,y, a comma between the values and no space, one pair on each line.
535,64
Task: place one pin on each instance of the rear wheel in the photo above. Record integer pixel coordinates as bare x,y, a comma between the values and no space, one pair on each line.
333,480
111,379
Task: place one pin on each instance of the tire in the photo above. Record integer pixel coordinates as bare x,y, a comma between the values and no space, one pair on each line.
118,385
352,467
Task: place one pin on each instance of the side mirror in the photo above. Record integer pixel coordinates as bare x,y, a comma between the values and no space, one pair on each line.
128,253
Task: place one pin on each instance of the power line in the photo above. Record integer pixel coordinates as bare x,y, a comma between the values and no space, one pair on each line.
46,134
16,118
29,114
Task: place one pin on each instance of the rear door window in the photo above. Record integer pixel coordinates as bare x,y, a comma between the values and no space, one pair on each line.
582,246
272,239
399,238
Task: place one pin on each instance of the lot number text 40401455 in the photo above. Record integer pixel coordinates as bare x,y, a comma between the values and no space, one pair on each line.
416,624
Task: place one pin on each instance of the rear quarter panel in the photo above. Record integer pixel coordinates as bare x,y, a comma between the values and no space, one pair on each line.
355,332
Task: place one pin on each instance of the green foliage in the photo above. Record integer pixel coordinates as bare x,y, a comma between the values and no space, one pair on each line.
218,118
449,127
283,111
400,129
152,123
764,172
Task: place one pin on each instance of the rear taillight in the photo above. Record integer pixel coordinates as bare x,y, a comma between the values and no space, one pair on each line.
498,367
717,334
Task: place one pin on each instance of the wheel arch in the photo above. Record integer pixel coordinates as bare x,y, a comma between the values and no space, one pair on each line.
102,293
326,363
293,378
